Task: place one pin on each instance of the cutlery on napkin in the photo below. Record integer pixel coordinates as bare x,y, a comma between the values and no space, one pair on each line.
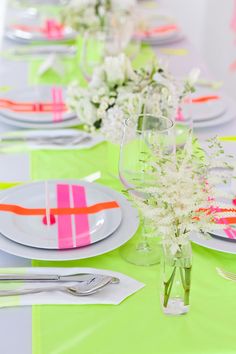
44,50
112,294
49,139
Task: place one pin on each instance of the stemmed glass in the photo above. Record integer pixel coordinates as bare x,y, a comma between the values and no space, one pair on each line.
184,118
114,39
152,137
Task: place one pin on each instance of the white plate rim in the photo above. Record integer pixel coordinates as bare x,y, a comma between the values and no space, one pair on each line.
124,233
9,232
213,243
10,33
65,124
229,115
43,89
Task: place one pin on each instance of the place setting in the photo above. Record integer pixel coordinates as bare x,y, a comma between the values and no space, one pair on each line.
37,107
156,27
105,223
211,108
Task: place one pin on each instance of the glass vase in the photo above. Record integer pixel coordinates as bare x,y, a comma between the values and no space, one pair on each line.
176,280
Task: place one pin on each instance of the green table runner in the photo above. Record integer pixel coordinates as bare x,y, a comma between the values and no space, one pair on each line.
137,326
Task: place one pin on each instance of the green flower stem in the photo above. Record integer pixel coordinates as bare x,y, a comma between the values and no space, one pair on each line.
168,286
187,285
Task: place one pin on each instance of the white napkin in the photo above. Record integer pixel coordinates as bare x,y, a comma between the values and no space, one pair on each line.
112,294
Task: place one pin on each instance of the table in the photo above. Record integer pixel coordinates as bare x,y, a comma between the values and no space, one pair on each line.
15,323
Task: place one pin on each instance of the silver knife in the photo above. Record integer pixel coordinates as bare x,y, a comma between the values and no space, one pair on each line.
79,277
13,138
59,49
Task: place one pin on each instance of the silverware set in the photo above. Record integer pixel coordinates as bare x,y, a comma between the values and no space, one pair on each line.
45,50
88,284
60,140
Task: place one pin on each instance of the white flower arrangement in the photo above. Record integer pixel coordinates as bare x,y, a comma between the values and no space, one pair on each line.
92,15
117,91
184,195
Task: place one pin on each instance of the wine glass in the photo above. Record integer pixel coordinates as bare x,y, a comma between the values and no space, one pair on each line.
114,39
151,137
183,117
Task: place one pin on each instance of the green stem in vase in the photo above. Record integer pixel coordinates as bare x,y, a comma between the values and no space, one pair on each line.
187,285
168,286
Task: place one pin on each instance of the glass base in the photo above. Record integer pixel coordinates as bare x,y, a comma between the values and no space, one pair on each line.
141,254
175,307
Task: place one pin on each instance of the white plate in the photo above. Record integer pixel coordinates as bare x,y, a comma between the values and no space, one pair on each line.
127,228
152,20
229,115
213,243
218,240
57,125
158,42
220,232
34,95
30,37
208,110
31,231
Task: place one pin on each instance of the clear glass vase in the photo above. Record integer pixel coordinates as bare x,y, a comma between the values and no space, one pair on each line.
176,280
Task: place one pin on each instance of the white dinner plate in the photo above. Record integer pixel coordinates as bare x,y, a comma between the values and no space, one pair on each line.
70,123
31,37
127,228
151,20
39,94
211,109
220,233
218,240
76,231
217,244
229,115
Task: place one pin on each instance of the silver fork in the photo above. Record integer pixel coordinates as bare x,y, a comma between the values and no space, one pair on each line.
226,275
97,283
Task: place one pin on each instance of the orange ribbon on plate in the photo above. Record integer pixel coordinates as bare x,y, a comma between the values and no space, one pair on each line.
204,99
93,209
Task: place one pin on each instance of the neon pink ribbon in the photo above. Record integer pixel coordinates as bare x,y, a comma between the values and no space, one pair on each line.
82,233
64,224
230,233
58,104
179,115
53,29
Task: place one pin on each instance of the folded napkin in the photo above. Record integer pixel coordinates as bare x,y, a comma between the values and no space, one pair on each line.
112,294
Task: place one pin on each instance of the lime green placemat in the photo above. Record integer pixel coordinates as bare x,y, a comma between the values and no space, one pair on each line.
72,65
137,326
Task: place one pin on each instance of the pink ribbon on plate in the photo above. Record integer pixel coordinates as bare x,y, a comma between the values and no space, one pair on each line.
53,29
58,104
73,230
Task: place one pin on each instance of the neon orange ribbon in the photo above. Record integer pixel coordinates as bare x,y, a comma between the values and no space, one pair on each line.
93,209
203,99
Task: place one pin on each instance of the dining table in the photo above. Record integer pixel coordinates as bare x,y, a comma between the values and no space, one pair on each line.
137,325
